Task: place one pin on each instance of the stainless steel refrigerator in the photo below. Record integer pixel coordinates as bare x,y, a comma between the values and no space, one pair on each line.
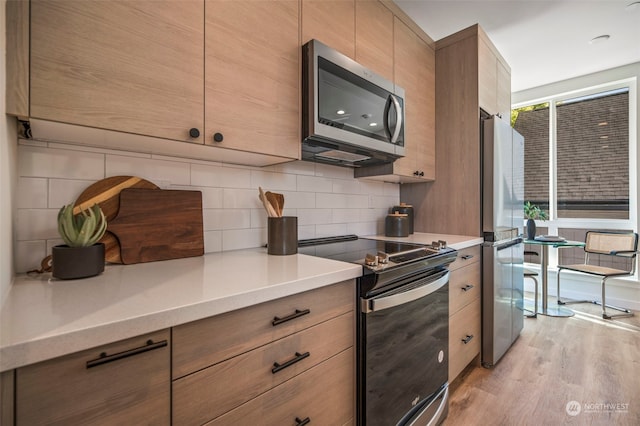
503,247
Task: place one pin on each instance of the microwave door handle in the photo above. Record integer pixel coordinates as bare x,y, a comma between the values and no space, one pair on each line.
387,106
393,138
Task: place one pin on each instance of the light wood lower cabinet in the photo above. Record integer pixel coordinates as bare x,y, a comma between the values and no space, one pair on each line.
464,310
269,363
464,338
213,391
323,395
126,382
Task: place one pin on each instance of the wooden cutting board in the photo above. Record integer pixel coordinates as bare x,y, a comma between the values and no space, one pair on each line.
106,193
158,225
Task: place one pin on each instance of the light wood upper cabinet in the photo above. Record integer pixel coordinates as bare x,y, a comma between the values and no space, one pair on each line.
252,83
470,75
374,37
332,22
131,66
414,71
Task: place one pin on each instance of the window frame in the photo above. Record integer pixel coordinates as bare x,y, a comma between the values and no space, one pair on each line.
554,223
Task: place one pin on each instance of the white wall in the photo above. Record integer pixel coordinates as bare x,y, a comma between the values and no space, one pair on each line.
8,155
326,199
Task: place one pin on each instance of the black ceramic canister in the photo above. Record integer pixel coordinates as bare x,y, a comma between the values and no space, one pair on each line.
405,209
396,225
282,235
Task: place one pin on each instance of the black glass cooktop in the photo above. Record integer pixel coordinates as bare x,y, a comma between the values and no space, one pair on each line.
353,249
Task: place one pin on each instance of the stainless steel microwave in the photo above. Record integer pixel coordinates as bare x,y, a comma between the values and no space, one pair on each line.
350,115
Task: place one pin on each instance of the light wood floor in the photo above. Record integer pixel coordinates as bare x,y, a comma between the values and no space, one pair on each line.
555,361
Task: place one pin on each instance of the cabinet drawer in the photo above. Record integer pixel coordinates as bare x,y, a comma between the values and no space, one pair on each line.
82,388
466,257
202,343
463,324
324,394
207,394
464,286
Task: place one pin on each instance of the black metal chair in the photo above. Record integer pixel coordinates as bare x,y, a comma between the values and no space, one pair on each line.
622,245
530,273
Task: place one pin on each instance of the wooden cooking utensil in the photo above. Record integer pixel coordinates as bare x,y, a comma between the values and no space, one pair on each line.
273,200
267,205
158,225
106,193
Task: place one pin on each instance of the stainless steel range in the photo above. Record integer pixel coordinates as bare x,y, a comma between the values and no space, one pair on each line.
403,327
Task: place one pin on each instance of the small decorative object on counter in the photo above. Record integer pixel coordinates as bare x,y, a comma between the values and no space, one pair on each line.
396,224
82,256
405,209
533,213
282,238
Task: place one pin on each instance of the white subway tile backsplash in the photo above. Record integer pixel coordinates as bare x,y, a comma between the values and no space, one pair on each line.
36,224
327,200
235,239
344,186
241,199
32,193
270,181
314,184
172,172
220,177
65,191
314,216
212,241
59,163
29,254
212,198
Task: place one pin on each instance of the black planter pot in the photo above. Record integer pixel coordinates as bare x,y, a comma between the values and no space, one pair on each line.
70,263
531,229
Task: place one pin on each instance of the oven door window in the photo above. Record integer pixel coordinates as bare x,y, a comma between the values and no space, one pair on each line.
404,354
353,104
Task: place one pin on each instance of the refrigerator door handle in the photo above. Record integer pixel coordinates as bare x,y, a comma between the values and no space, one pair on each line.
509,244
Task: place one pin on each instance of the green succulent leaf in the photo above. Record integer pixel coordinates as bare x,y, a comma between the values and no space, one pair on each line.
82,229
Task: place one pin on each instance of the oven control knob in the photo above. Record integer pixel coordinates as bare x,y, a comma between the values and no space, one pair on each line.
383,257
371,260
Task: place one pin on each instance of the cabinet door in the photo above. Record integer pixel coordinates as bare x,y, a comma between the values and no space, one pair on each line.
323,394
487,78
252,77
374,37
503,94
129,384
132,66
332,22
414,69
464,338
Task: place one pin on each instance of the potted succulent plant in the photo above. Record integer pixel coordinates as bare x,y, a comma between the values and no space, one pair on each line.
82,255
533,213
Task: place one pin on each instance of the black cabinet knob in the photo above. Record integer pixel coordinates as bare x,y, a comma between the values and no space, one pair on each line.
217,137
421,173
416,173
194,133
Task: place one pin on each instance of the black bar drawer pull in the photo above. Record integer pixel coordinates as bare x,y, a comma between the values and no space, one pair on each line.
467,256
104,358
467,339
466,287
304,421
299,357
296,314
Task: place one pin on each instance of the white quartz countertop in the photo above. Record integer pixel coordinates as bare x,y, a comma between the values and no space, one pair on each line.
43,318
457,242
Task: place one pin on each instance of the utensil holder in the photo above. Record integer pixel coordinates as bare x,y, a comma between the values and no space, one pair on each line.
282,235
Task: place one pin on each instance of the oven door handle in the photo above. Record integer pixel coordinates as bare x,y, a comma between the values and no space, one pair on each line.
375,305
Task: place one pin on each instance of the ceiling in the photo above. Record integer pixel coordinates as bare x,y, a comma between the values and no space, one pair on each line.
543,41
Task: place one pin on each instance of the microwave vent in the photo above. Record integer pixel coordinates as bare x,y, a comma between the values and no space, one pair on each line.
342,156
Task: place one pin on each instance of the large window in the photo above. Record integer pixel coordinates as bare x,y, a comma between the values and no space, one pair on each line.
580,160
